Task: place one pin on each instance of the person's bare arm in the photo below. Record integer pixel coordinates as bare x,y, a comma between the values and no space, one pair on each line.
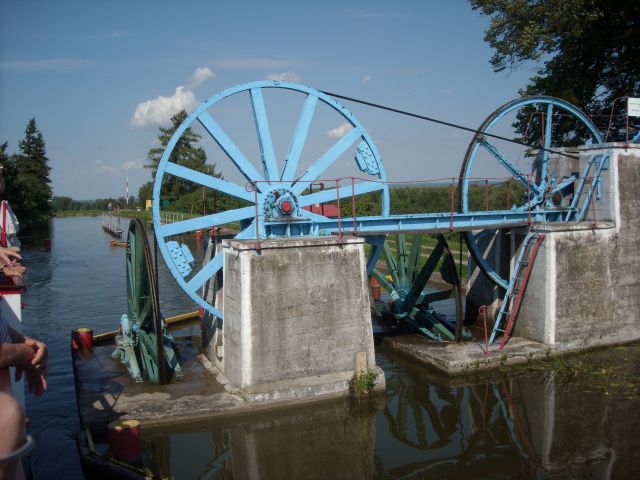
16,355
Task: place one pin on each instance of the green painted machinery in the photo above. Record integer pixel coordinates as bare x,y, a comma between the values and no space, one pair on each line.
417,271
143,343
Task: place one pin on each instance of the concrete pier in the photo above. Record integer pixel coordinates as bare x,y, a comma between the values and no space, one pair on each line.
584,289
297,318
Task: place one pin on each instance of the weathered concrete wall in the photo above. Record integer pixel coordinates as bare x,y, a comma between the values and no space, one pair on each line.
211,325
584,288
297,317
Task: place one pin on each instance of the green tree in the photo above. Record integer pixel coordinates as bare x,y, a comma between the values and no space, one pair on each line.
59,204
28,187
185,153
144,194
588,50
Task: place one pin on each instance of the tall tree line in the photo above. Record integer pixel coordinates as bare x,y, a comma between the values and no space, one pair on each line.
585,51
26,176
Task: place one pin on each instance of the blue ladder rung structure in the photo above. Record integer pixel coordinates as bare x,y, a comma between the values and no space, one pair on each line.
515,287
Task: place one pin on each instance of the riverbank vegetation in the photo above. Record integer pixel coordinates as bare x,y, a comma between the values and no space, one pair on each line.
582,51
26,176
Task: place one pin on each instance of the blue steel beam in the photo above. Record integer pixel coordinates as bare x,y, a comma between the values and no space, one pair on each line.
437,222
414,223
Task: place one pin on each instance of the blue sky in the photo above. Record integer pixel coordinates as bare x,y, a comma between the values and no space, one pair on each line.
84,68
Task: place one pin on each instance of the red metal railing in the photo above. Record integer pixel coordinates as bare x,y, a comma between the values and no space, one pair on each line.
483,312
486,183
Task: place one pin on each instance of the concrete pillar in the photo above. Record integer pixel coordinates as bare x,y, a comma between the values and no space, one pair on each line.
211,325
297,317
584,289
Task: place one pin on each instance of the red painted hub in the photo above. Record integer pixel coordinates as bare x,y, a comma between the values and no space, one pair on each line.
286,206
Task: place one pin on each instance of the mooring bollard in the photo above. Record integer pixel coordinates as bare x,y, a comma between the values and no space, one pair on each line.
124,440
375,289
82,339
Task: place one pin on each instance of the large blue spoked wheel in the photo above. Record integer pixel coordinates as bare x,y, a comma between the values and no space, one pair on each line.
280,184
542,183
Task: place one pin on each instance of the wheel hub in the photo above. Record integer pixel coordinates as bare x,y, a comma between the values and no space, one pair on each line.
280,203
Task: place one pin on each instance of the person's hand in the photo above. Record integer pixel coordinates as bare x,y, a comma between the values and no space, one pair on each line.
40,357
14,270
36,379
9,255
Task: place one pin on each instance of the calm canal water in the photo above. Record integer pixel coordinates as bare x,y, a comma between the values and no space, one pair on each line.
575,418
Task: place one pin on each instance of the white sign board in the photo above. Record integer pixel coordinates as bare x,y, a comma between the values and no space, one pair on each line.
633,107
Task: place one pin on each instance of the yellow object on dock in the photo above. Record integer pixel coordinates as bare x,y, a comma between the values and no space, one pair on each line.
170,321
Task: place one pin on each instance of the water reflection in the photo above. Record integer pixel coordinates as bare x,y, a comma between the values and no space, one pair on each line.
327,440
524,426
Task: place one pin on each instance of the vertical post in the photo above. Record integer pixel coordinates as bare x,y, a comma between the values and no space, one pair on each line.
529,199
162,367
452,201
255,199
339,213
353,205
509,194
593,205
627,128
483,312
486,194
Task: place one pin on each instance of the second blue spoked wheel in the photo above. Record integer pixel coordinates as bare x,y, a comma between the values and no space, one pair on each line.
561,125
268,183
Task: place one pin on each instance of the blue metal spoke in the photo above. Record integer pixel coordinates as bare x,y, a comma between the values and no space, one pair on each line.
547,142
376,243
248,232
230,148
205,222
264,135
434,296
324,162
521,177
329,195
209,181
208,271
299,138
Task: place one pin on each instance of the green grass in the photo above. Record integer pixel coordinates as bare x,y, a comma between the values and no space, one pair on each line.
361,385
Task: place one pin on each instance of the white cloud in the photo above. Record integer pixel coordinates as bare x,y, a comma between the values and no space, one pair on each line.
367,79
284,77
340,131
102,167
161,109
199,77
132,165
